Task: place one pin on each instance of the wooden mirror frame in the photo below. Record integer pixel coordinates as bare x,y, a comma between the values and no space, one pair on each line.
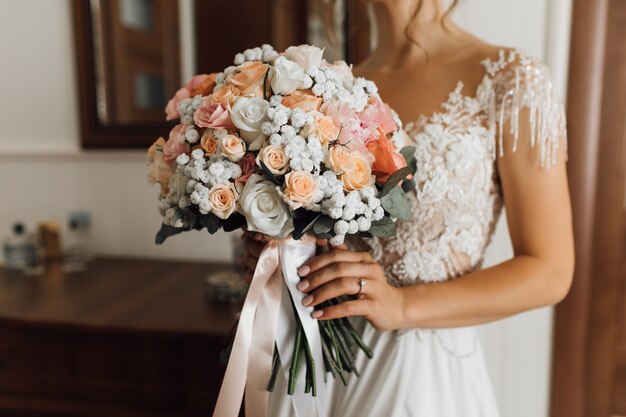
93,133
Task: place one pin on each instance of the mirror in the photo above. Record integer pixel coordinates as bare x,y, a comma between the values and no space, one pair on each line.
132,55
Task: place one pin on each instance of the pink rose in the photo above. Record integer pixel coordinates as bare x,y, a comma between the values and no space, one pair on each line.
201,84
171,110
377,115
352,134
248,165
175,145
215,116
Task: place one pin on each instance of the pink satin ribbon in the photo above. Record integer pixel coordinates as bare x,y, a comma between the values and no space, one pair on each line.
250,364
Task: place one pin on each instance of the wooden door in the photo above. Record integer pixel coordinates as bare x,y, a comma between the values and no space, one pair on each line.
590,335
141,52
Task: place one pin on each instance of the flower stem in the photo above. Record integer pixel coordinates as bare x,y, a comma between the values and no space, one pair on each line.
295,361
275,370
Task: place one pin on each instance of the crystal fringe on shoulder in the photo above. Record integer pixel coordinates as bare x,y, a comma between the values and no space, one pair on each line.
516,81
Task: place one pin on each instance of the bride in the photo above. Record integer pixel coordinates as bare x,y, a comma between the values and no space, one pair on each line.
488,130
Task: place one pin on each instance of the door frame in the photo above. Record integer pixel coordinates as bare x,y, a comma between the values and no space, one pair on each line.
584,333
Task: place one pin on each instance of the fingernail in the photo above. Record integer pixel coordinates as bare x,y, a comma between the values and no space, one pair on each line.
317,313
307,300
303,285
304,270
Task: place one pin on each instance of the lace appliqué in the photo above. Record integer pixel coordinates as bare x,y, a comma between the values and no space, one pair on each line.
457,200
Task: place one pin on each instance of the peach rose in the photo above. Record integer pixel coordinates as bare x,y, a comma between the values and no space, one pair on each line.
302,99
225,95
232,148
323,127
160,171
339,159
215,116
208,142
360,175
387,159
247,164
175,144
300,188
250,78
223,199
202,84
274,158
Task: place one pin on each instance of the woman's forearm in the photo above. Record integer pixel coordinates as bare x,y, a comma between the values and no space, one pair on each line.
520,284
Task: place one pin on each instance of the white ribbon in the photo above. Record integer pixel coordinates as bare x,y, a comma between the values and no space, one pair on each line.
267,318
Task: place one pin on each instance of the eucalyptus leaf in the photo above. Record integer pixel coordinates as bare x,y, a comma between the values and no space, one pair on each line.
395,179
211,222
397,204
408,152
269,174
167,231
384,227
304,224
323,225
234,222
408,185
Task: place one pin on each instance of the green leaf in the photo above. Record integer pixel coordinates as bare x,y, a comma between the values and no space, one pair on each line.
384,227
395,179
211,222
234,222
408,185
397,204
408,152
269,174
304,223
323,226
167,231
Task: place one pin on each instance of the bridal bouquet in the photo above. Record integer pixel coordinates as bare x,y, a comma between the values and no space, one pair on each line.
287,145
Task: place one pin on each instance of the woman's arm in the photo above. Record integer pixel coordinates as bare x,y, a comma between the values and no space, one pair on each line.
540,273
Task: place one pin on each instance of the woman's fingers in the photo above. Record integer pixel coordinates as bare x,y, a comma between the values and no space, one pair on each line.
253,247
335,288
332,272
334,256
345,309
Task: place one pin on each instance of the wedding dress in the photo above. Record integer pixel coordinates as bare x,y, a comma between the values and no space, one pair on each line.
457,201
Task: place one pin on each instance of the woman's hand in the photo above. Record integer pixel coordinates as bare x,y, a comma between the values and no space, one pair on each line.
339,272
253,245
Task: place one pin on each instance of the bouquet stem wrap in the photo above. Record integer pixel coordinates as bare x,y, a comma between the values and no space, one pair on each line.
267,320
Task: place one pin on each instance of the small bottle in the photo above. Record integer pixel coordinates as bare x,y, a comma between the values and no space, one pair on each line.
20,249
77,249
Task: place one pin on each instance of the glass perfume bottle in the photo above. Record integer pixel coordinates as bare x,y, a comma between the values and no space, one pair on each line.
20,249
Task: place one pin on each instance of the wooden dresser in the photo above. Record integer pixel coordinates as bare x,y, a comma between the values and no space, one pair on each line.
125,338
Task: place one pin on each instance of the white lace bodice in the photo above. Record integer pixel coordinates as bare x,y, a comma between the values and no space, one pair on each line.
458,198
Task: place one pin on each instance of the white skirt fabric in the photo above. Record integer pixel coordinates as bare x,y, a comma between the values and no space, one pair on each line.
414,373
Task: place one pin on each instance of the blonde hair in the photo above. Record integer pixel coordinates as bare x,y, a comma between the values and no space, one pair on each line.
331,34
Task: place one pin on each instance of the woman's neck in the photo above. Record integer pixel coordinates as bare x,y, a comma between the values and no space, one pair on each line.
426,34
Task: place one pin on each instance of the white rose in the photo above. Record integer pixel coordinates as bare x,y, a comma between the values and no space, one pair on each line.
248,114
263,208
306,55
287,76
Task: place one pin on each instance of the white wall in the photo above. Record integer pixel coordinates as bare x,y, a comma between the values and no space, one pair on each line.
44,175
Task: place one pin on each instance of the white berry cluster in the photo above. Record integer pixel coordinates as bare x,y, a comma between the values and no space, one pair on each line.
353,211
187,108
170,206
265,53
201,174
